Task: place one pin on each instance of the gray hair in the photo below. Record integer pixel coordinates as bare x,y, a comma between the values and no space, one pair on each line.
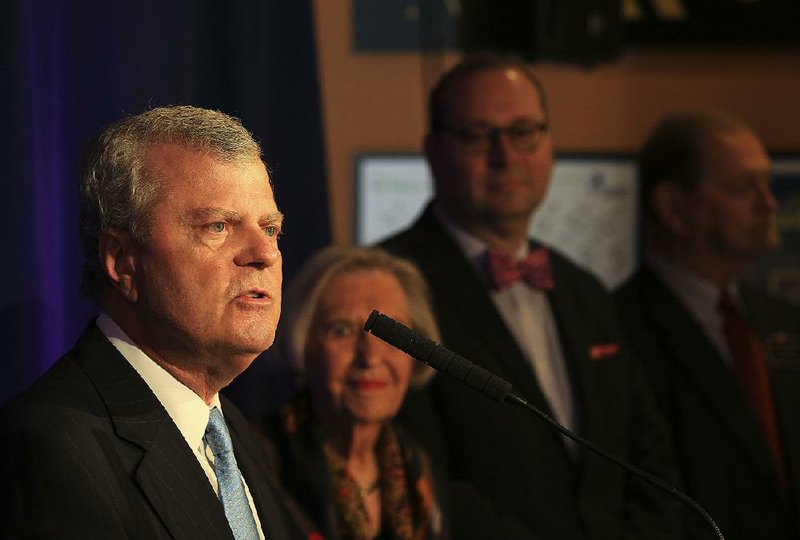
301,301
117,192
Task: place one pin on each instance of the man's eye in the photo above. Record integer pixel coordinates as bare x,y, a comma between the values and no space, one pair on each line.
217,227
740,185
522,132
272,230
472,136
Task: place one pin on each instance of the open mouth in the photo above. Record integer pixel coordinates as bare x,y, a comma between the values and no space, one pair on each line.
255,294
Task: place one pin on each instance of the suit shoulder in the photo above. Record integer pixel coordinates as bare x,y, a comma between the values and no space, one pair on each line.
401,244
574,276
63,392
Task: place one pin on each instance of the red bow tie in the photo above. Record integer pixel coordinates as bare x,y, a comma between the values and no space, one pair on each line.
533,269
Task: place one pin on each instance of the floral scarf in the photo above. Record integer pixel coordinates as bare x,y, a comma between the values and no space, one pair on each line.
407,504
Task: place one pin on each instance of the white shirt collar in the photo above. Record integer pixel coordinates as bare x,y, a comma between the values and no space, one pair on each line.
700,296
472,246
188,411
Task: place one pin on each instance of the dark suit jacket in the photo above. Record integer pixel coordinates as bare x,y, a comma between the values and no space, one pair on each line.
89,452
509,454
725,464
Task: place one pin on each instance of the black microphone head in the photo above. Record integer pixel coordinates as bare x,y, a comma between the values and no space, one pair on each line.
429,352
371,320
399,335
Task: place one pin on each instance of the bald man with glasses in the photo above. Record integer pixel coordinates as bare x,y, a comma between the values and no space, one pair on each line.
529,315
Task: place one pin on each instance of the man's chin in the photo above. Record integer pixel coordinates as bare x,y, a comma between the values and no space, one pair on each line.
512,207
253,338
508,215
765,243
244,351
773,240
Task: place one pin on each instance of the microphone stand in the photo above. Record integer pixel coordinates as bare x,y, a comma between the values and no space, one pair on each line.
446,361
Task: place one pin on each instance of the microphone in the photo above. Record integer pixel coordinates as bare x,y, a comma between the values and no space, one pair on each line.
439,358
446,361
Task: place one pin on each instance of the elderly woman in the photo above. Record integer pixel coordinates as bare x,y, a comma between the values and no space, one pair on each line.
353,472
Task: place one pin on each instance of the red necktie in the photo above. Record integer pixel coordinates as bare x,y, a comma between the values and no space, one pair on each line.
533,269
752,373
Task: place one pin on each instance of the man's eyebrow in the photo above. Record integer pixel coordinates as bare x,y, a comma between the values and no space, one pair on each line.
217,212
208,212
273,217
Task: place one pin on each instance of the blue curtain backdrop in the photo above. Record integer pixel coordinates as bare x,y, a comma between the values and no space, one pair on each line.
70,68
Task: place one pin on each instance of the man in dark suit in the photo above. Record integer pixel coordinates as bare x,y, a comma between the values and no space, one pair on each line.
724,358
555,337
126,435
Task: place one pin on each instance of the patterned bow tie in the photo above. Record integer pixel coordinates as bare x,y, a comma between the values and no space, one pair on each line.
533,269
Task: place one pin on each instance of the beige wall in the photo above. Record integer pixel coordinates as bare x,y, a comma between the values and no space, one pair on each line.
375,102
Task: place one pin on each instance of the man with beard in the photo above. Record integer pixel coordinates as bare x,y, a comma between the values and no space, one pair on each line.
723,357
525,313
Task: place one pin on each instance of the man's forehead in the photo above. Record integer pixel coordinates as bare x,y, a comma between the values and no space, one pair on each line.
736,150
197,181
173,152
492,90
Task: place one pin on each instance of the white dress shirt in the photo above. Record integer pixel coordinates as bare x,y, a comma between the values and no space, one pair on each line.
189,412
529,317
699,296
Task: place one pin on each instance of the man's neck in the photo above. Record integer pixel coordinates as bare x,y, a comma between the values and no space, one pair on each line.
718,270
192,368
504,241
504,236
159,375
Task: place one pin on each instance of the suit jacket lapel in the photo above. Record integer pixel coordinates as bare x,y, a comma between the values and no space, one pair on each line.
169,474
575,342
600,386
701,362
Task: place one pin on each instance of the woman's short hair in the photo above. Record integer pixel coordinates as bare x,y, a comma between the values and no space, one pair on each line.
301,301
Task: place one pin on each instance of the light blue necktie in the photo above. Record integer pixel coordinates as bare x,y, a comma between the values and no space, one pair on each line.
231,487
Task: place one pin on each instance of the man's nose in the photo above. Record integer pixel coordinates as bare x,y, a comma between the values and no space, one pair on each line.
258,249
501,150
766,198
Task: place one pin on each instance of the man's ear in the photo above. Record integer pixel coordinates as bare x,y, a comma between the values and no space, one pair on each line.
117,252
670,205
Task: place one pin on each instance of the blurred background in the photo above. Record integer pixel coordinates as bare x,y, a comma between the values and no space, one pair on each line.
335,92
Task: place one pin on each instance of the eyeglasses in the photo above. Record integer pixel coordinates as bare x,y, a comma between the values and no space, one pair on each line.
476,139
